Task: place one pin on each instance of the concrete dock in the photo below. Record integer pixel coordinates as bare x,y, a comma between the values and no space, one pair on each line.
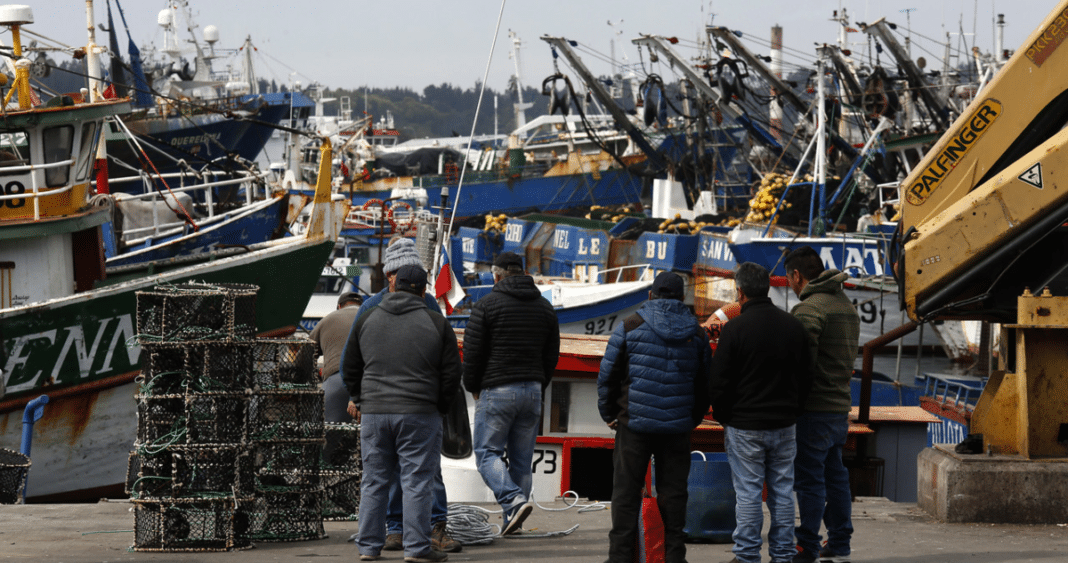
886,532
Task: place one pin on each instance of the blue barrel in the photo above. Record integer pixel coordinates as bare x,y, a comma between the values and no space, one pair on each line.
710,508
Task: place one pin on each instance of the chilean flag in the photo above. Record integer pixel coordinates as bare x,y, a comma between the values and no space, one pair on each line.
447,288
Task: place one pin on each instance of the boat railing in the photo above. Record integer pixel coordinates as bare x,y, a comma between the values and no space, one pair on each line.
948,392
207,187
644,271
36,193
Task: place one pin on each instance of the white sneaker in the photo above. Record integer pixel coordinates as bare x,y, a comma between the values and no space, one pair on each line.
515,522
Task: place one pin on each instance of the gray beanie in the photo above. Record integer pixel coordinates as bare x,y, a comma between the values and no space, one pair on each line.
401,253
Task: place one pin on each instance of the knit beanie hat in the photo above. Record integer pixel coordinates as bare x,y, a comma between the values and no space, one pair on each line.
400,252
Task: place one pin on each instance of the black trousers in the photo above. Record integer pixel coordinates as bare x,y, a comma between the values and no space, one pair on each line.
671,454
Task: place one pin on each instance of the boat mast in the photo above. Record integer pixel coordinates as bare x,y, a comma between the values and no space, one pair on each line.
601,94
521,106
820,224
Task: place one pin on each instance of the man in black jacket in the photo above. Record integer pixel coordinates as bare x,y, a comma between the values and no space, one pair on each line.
760,379
511,345
402,369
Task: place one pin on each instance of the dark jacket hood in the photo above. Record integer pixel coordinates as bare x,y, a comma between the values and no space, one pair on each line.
400,302
520,287
670,319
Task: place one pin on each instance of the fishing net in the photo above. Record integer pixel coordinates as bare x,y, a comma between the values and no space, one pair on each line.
196,311
283,416
285,364
203,525
284,516
13,470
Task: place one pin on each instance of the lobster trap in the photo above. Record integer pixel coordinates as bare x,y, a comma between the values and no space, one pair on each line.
284,365
229,429
286,416
14,468
191,473
341,450
196,311
196,367
202,525
341,495
284,516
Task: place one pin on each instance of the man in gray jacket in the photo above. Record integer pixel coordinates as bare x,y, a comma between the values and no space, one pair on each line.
402,368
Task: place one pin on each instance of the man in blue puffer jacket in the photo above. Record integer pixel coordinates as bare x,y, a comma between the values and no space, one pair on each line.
652,390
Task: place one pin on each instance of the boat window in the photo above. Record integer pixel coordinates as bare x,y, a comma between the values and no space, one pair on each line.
14,151
58,142
87,149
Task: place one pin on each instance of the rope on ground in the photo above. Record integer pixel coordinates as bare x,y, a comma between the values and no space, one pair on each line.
567,498
470,525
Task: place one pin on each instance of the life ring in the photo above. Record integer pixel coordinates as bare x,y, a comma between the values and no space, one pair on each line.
392,221
367,204
389,212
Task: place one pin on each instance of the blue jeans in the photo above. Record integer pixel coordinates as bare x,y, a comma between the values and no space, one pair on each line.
822,482
758,457
506,420
439,509
414,442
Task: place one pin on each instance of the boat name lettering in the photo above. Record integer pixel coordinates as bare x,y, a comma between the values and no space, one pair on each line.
594,248
468,245
390,132
195,139
656,249
1050,39
63,349
855,259
513,232
716,249
560,240
954,151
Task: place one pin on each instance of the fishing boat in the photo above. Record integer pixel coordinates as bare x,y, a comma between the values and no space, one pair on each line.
68,324
185,119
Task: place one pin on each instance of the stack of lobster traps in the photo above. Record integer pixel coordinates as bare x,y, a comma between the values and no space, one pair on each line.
230,427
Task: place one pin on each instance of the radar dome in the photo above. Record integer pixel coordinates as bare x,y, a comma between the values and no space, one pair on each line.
211,34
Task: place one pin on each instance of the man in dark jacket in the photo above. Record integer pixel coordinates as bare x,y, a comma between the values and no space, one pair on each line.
760,378
402,369
822,481
401,252
652,389
511,345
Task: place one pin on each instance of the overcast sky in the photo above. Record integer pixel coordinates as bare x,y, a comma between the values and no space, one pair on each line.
413,43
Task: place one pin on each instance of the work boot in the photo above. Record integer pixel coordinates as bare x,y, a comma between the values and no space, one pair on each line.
439,538
432,556
394,542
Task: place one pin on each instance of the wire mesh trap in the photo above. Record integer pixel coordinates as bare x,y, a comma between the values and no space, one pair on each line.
284,516
280,416
14,467
341,496
341,450
195,367
196,311
203,525
192,473
285,364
